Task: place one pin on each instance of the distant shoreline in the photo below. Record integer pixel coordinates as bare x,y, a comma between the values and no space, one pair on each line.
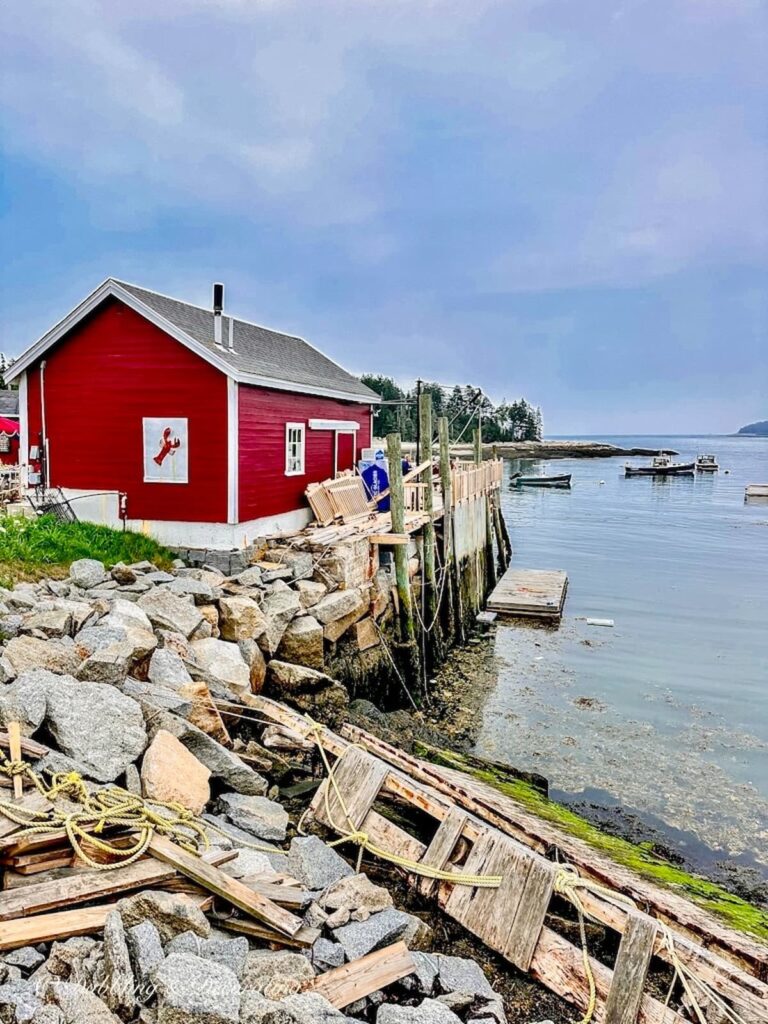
559,450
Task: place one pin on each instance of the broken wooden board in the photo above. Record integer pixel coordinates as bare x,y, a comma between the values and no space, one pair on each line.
84,886
64,924
629,972
437,790
227,888
699,935
302,939
344,985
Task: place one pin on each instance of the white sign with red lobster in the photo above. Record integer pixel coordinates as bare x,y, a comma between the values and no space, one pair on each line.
166,452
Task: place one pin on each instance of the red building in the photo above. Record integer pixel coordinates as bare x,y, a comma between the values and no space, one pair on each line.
192,425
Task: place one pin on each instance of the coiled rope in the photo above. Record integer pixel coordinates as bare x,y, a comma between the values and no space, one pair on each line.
108,808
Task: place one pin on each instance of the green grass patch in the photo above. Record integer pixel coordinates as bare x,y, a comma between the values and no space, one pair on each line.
736,912
33,548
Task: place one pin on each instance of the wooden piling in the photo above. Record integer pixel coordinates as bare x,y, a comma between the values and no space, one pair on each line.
453,592
397,511
490,568
428,568
477,445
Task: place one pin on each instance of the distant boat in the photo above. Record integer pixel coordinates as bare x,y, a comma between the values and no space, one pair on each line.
662,465
564,480
706,464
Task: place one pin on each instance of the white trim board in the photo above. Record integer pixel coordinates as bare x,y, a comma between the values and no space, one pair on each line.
233,450
346,425
111,288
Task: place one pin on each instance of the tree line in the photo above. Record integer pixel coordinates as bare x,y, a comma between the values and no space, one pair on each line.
462,404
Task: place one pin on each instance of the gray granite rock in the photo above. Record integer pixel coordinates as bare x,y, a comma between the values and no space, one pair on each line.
171,913
361,937
429,1012
312,1008
25,700
167,669
222,763
275,973
168,611
196,991
336,605
315,864
18,1002
459,974
87,572
263,818
78,1004
146,953
119,989
280,606
303,643
27,958
424,976
82,717
326,955
231,953
356,892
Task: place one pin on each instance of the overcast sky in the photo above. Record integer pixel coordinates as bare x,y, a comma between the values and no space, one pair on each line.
561,199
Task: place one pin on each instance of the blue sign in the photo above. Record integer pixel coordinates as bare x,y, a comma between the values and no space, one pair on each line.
376,480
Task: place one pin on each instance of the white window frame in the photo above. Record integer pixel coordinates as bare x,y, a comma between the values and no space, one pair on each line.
289,457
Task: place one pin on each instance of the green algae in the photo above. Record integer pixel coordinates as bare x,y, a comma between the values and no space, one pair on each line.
736,912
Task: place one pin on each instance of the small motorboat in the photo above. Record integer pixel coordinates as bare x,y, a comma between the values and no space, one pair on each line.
662,465
564,480
706,464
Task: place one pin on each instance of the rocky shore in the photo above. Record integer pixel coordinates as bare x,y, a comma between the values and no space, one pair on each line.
560,450
127,676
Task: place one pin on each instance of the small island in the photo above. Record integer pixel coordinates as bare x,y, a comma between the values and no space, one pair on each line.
759,429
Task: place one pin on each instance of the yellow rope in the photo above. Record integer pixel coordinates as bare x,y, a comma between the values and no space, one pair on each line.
351,834
111,807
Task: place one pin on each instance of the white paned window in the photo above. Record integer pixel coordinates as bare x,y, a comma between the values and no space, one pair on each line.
294,449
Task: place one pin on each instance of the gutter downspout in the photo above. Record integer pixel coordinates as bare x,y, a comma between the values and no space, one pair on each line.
46,470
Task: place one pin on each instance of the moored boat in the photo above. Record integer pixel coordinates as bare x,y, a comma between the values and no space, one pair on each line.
706,464
662,465
563,480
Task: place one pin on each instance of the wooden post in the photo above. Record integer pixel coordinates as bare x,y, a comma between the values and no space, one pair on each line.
498,529
14,746
453,592
397,512
428,569
477,444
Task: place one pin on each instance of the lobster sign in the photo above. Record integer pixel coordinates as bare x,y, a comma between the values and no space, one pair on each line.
165,450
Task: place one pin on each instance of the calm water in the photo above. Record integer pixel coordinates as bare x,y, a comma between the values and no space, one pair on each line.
668,711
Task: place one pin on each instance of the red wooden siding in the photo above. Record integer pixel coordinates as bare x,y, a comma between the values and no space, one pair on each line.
264,488
112,370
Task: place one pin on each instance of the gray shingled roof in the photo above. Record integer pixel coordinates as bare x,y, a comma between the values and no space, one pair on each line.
257,350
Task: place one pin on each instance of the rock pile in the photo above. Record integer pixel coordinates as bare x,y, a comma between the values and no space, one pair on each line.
128,676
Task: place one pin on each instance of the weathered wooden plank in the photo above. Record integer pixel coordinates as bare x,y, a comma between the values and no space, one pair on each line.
301,939
44,897
28,746
389,538
229,889
359,777
443,844
14,746
531,911
634,957
33,801
530,592
350,982
64,924
436,789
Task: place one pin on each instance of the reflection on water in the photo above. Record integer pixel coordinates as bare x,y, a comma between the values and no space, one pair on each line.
668,711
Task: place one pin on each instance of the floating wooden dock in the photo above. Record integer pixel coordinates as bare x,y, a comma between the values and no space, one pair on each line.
534,593
756,491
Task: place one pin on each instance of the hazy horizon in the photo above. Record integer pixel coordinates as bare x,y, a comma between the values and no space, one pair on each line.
563,202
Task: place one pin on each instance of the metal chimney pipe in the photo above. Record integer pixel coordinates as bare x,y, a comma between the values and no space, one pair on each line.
218,305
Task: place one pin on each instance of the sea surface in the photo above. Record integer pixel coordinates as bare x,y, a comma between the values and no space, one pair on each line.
666,712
